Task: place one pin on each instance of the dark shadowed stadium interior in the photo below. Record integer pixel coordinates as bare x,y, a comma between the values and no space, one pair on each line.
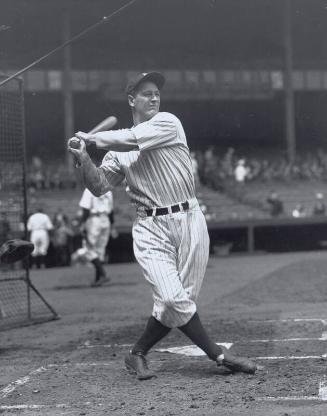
199,35
248,80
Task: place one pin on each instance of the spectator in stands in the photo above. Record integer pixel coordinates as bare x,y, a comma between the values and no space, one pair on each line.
62,234
75,225
276,205
298,211
227,163
241,171
39,226
37,178
210,167
319,207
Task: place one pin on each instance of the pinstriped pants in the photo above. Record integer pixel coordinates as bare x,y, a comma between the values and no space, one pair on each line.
173,252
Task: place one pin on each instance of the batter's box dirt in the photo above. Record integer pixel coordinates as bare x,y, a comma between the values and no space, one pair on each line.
219,330
183,386
234,330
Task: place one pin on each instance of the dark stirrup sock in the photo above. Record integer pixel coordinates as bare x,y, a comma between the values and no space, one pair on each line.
198,335
153,333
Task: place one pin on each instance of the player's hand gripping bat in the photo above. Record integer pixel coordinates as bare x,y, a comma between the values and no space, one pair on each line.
106,124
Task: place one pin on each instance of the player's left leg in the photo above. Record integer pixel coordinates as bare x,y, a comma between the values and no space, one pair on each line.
93,232
192,265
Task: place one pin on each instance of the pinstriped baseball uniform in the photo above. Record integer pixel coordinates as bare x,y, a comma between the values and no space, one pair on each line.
97,225
170,235
172,249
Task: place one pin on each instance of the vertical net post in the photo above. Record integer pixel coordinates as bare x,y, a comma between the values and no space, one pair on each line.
20,302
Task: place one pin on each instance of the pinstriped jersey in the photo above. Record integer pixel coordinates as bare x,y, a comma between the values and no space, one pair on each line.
159,173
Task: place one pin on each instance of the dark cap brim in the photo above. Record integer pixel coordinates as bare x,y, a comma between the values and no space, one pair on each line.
156,77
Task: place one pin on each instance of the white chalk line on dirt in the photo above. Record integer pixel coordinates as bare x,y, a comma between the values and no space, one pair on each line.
323,389
87,344
293,357
322,338
322,395
44,406
290,398
322,320
21,381
32,406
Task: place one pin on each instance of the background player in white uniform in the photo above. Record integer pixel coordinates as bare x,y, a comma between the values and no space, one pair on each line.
97,227
39,225
171,241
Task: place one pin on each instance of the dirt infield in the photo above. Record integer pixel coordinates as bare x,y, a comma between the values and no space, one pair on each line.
269,307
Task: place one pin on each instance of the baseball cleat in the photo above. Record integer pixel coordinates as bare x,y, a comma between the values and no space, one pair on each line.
235,363
101,281
136,364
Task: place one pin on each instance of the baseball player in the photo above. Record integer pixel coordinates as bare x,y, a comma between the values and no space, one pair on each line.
170,235
39,225
97,227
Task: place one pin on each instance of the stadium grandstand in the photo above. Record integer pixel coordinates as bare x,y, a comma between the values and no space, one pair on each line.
252,87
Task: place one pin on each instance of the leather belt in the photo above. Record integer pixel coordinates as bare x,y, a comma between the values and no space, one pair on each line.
154,212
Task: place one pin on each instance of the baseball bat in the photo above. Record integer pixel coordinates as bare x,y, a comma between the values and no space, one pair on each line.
106,124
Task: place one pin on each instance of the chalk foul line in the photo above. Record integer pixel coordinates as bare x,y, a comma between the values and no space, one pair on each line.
21,381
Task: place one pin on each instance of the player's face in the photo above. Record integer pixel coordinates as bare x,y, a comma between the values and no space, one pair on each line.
145,101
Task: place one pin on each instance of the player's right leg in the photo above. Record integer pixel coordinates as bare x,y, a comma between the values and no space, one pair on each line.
135,361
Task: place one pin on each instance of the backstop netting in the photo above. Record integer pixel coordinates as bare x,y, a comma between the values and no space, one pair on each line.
20,301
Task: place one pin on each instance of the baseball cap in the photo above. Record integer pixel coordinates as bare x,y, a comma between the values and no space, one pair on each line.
155,77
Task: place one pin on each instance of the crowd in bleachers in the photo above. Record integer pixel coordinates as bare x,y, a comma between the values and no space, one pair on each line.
251,180
215,168
243,183
49,175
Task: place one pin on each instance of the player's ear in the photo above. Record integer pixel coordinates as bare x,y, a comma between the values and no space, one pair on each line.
131,100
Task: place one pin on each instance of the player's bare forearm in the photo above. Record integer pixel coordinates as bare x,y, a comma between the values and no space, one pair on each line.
93,177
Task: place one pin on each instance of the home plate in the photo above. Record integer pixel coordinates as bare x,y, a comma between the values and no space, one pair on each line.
191,350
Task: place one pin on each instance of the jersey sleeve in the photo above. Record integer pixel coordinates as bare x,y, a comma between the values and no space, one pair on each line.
112,170
164,129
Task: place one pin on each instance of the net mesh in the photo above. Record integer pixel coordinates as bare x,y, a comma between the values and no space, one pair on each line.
20,302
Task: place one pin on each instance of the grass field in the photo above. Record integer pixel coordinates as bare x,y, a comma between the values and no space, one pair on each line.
269,307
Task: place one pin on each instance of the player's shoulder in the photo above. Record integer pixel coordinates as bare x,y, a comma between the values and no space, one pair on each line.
164,117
